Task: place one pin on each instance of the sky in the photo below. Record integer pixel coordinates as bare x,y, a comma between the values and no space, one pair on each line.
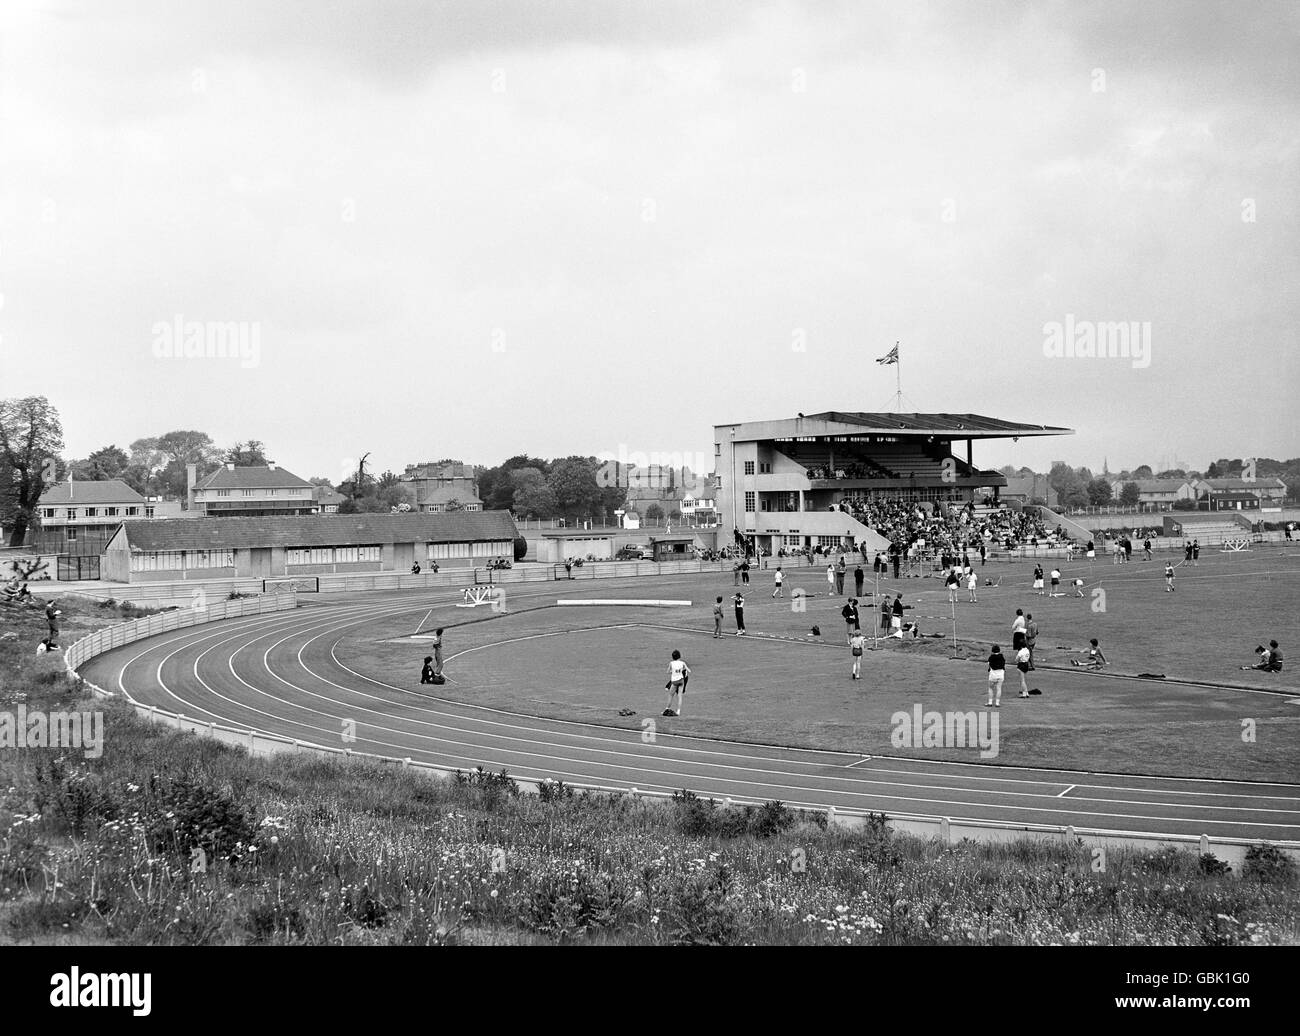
472,230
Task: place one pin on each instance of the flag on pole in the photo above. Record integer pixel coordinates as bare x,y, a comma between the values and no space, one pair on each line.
891,356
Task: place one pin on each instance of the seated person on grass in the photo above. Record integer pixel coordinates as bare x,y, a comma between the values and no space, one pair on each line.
1270,658
1094,660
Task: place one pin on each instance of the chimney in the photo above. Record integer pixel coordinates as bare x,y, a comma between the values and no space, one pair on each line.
191,476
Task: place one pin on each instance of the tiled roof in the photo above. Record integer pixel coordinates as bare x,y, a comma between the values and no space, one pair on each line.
325,495
329,530
110,491
260,477
445,494
1241,483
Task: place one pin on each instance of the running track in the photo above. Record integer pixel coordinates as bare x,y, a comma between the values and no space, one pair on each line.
279,674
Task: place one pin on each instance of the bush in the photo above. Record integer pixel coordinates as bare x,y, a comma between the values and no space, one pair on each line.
1268,864
75,797
554,791
191,813
1212,867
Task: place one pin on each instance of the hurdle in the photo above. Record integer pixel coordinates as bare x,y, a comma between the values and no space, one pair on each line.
644,603
1236,545
473,596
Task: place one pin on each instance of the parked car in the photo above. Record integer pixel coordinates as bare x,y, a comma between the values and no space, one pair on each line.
634,552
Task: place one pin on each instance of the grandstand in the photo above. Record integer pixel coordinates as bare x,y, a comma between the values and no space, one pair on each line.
818,480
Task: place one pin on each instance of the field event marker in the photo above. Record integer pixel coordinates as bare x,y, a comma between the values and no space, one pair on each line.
646,604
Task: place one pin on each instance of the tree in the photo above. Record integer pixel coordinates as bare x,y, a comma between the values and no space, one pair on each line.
573,481
31,437
105,463
496,486
251,454
1099,492
145,453
187,447
531,494
654,512
321,481
453,505
1130,495
1142,471
1172,473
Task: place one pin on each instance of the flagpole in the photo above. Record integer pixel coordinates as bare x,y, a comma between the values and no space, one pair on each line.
898,378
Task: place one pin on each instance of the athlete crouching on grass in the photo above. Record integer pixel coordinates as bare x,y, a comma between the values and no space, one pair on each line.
678,673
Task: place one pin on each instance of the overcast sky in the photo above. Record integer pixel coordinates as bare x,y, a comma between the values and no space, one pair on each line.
475,229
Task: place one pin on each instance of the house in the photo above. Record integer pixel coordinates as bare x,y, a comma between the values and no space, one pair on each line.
440,487
81,517
1026,489
698,511
256,491
1238,493
1156,494
327,500
276,547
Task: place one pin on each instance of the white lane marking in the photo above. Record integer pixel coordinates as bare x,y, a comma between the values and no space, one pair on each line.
1067,791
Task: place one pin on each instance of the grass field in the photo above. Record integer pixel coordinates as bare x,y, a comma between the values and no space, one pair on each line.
779,686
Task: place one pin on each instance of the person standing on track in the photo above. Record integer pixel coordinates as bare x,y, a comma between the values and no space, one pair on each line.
830,579
744,571
1169,578
777,576
1018,631
1196,553
1056,582
738,600
857,644
1146,548
840,570
437,651
717,619
1031,636
997,675
1038,580
678,673
972,580
896,618
857,581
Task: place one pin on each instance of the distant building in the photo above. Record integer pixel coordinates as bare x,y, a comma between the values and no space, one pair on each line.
258,491
1026,489
327,500
81,517
1238,493
438,485
270,548
1156,494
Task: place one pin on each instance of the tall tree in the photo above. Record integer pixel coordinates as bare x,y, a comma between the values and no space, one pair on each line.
31,437
1142,471
251,454
1129,495
105,463
573,481
1099,491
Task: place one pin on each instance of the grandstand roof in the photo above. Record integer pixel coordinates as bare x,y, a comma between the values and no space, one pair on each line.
950,426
